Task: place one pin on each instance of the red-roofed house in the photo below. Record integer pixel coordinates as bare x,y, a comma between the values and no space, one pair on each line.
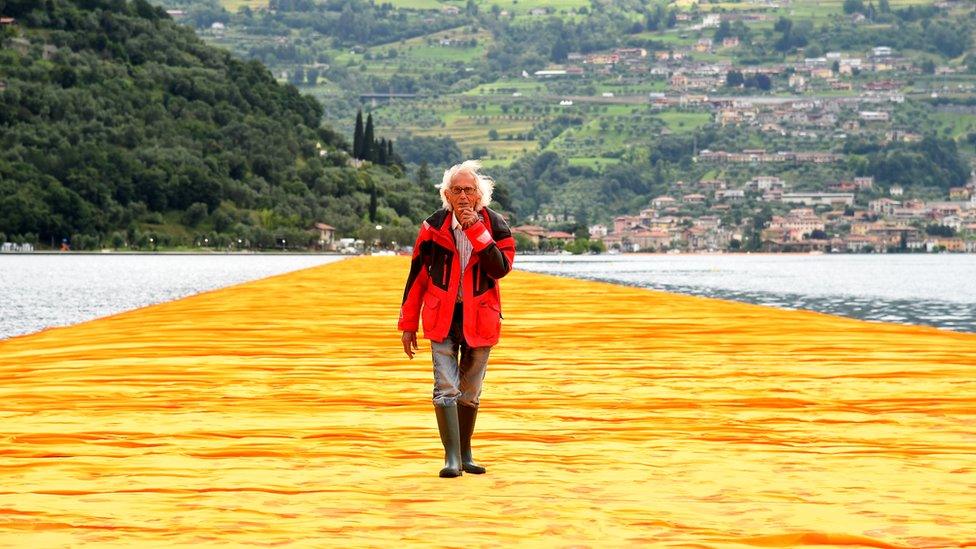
561,236
532,232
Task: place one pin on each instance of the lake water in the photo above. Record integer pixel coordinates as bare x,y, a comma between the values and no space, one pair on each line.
928,289
38,291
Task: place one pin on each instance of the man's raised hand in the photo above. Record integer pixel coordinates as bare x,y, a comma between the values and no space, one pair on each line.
467,217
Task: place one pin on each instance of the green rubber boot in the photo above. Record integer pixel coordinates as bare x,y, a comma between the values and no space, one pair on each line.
466,417
447,424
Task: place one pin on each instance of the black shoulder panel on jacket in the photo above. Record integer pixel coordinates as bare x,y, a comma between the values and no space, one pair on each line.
499,227
437,218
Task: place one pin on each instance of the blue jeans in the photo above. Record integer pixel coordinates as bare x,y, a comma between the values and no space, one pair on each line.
458,381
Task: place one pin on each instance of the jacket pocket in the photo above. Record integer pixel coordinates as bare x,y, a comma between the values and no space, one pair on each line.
439,269
489,320
432,305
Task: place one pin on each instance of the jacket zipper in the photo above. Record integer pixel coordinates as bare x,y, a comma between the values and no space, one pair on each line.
477,279
444,272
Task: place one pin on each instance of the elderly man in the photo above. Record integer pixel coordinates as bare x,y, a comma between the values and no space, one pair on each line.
461,252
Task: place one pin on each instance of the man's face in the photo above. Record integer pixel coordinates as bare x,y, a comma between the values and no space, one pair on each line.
463,192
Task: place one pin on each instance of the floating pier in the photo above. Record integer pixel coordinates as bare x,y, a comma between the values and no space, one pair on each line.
284,413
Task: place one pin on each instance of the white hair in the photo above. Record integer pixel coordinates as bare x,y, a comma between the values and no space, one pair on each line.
485,184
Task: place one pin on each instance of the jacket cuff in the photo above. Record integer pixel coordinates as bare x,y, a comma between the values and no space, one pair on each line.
479,236
405,324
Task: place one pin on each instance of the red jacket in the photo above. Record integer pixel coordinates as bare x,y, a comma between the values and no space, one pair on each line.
435,275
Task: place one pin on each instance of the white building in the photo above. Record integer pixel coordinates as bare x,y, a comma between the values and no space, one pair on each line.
814,199
711,20
766,182
881,51
874,116
732,195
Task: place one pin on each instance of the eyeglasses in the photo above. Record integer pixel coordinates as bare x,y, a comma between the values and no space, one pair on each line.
469,191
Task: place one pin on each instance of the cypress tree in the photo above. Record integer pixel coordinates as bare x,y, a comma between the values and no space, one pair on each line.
390,157
369,142
423,174
357,137
373,202
381,158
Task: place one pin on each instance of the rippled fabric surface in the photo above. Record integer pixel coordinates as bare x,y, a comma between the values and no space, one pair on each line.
283,413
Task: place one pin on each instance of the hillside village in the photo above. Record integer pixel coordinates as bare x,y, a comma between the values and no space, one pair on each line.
815,222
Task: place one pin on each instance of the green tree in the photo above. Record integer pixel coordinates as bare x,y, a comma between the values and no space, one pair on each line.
783,24
853,6
423,175
373,202
734,79
723,31
559,51
381,149
949,39
369,140
524,243
763,82
312,76
357,137
578,246
195,214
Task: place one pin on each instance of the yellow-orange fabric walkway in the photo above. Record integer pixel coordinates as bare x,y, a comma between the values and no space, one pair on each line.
283,412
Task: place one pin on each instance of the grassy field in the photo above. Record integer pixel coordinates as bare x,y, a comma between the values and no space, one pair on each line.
955,125
587,139
674,38
509,86
685,121
234,5
524,6
593,162
426,49
469,127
